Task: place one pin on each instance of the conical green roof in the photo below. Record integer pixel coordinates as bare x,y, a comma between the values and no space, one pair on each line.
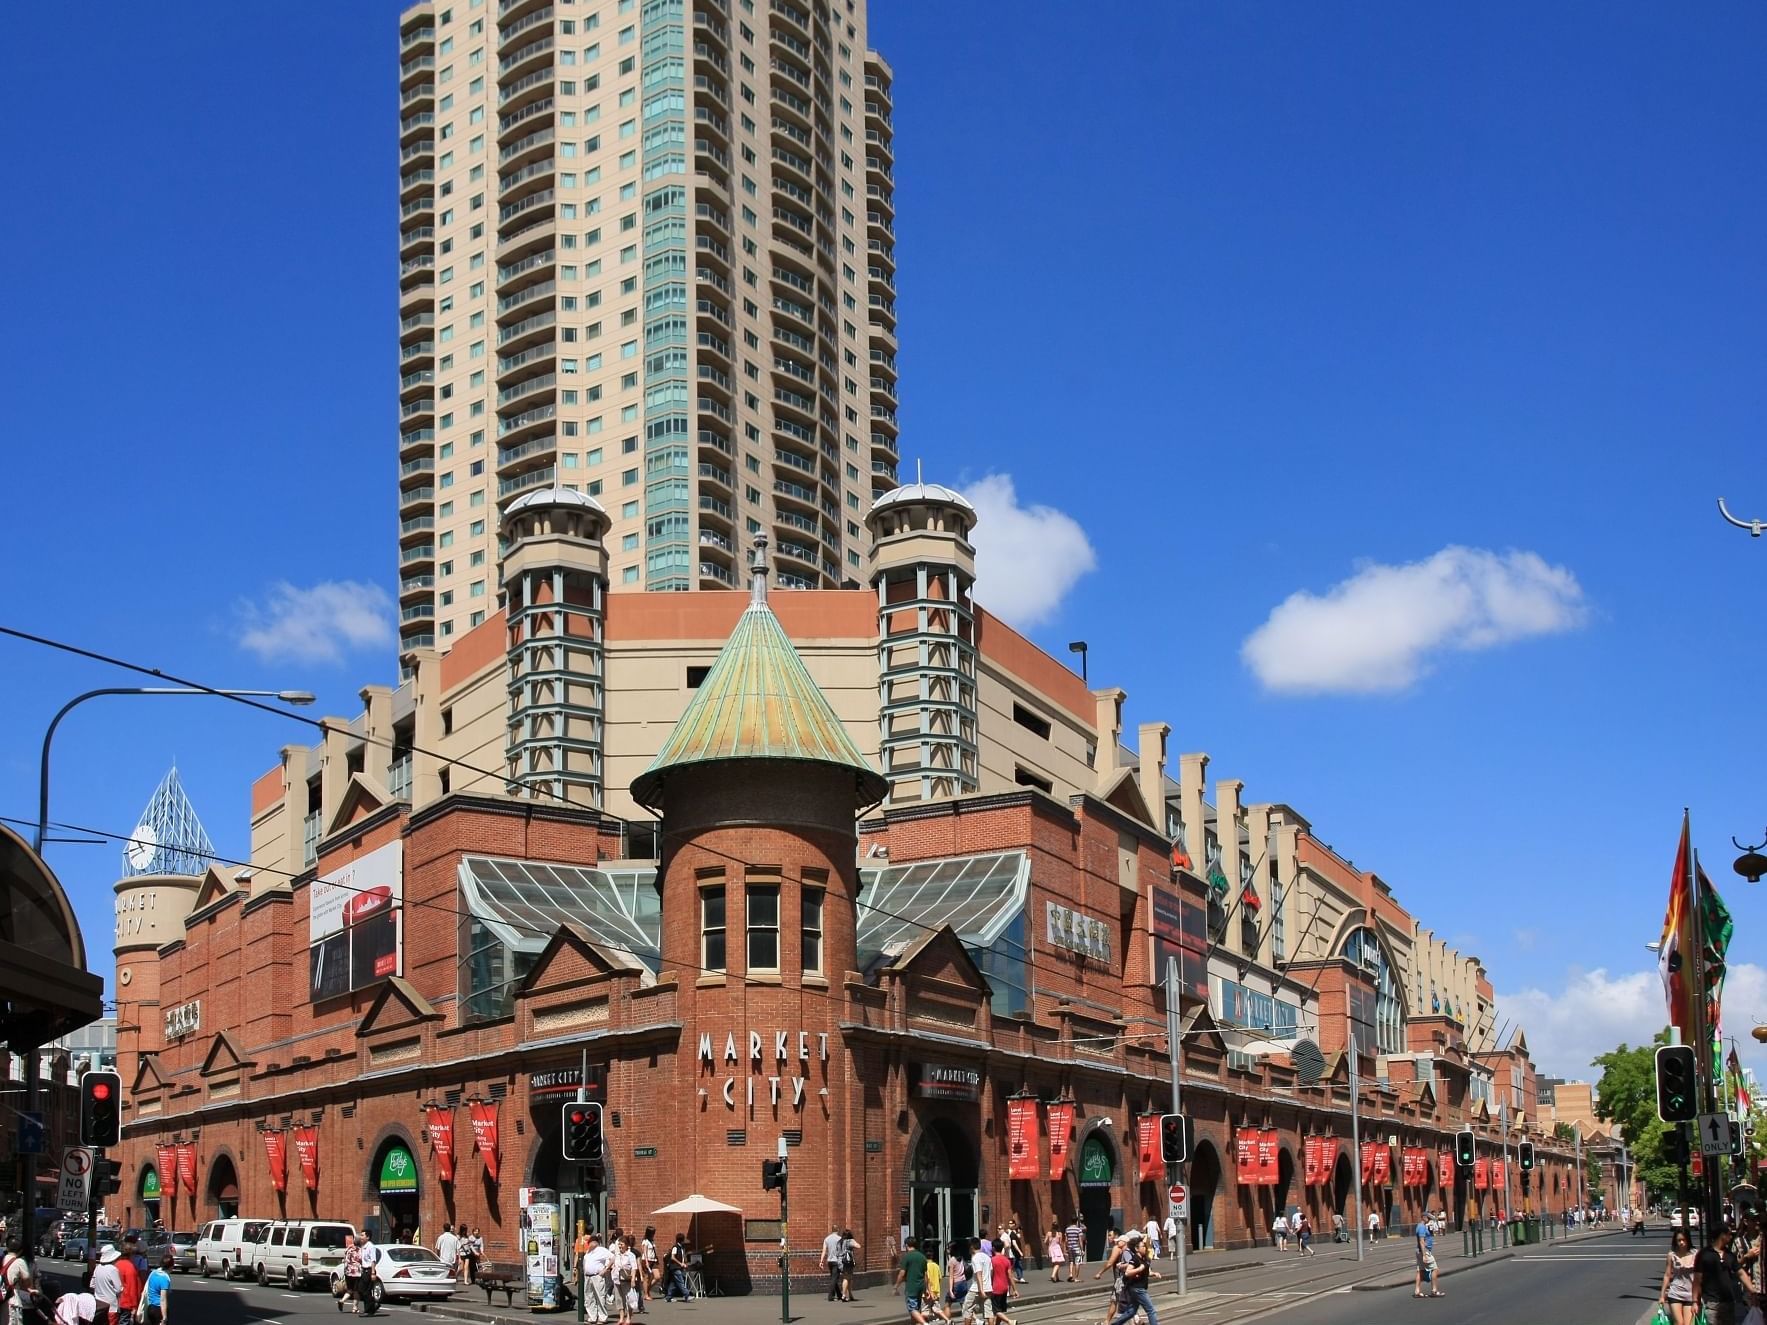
759,702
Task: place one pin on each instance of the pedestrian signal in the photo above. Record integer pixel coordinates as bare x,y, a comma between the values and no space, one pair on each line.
1525,1155
1464,1154
101,1108
1677,1084
1174,1138
773,1175
582,1132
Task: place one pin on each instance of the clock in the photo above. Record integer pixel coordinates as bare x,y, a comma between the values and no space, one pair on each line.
143,846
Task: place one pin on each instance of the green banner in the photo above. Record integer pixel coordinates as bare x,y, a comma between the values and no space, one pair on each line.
1096,1169
150,1186
398,1171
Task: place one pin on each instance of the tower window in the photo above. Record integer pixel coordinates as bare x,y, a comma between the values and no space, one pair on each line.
711,928
812,928
763,927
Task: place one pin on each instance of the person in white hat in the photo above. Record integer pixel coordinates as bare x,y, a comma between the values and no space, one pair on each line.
107,1283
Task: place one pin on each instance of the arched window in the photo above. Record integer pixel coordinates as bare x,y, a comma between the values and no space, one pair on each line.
1382,1025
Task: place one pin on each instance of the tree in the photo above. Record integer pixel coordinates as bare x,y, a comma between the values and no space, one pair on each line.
1564,1132
1627,1096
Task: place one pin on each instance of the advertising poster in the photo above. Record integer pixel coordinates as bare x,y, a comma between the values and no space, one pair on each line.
1021,1139
440,1124
484,1132
1445,1171
1328,1158
1481,1175
306,1140
1147,1148
1061,1130
353,926
541,1233
187,1168
168,1166
1245,1157
276,1154
1498,1173
1383,1165
1269,1150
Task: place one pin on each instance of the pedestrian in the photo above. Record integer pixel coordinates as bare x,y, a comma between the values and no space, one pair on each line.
911,1279
1304,1235
15,1277
351,1270
648,1271
1279,1231
1075,1237
1717,1292
1001,1283
1426,1262
677,1281
932,1302
448,1250
1172,1231
1153,1237
1020,1250
1374,1226
830,1260
625,1278
1676,1292
368,1257
107,1285
849,1261
1136,1271
1113,1266
76,1309
475,1254
156,1293
1057,1252
597,1268
978,1301
957,1273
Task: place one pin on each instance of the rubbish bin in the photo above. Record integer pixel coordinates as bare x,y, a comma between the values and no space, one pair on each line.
1518,1232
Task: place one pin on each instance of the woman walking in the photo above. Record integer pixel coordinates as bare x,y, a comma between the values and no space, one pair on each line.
1058,1254
1677,1290
849,1259
352,1275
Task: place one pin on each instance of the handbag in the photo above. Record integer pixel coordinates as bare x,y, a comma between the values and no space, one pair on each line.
1662,1316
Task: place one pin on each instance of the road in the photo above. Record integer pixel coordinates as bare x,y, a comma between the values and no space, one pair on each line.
1603,1280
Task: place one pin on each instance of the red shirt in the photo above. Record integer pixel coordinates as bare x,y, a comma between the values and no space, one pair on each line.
130,1297
1002,1273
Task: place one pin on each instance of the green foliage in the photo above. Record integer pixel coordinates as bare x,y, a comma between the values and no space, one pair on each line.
1627,1097
1564,1132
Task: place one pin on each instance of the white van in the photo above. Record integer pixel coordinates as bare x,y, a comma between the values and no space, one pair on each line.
226,1246
299,1252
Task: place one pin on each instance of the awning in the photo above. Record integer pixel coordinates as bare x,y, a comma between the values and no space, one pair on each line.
977,896
523,902
698,1205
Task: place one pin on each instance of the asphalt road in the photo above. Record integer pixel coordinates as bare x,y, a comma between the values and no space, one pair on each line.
199,1301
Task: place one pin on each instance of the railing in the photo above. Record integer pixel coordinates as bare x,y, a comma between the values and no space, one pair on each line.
533,446
528,419
423,464
527,52
522,328
528,387
514,269
425,406
507,122
417,552
533,479
522,84
511,362
713,571
526,173
416,524
540,199
521,25
417,349
520,145
522,296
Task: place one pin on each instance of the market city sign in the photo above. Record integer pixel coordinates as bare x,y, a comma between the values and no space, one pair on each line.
786,1047
185,1019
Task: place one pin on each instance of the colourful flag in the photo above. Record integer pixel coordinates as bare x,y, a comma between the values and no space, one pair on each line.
1715,931
1676,946
1217,876
1739,1085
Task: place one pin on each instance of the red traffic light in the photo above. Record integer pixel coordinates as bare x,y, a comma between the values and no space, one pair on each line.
101,1090
578,1116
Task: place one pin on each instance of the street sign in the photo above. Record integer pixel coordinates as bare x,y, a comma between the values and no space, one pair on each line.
30,1132
76,1178
1714,1130
1177,1202
1175,1193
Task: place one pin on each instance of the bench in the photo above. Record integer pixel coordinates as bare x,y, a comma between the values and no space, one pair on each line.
500,1276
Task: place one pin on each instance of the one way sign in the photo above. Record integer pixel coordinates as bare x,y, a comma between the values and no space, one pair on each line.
1714,1133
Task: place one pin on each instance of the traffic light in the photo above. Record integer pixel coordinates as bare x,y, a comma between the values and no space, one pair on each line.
1464,1154
101,1108
1736,1138
773,1175
1677,1084
1525,1155
107,1177
1174,1138
582,1132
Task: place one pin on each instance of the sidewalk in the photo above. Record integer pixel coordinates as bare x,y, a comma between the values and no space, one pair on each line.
1287,1276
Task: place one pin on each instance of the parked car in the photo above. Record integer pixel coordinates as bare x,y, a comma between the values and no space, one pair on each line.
1693,1218
183,1247
405,1274
301,1251
225,1246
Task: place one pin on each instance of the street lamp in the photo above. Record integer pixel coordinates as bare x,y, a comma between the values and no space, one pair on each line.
1751,864
286,696
1079,646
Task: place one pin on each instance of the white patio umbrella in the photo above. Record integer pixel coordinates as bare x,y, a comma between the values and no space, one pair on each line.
698,1205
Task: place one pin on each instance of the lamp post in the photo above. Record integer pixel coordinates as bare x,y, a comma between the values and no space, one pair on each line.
286,696
1079,646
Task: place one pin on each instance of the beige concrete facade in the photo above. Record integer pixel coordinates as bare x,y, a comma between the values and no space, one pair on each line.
646,253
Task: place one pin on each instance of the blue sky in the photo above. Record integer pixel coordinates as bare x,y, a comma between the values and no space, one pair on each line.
1312,290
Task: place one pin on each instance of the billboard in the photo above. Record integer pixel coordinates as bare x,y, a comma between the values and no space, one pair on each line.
353,926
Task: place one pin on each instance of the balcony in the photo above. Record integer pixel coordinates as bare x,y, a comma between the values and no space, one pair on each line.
424,496
424,206
530,238
416,294
416,95
790,18
508,32
709,120
418,612
415,439
423,464
719,475
712,538
508,124
711,570
538,205
883,441
880,88
522,482
422,379
417,349
792,520
707,341
794,461
518,9
511,335
795,492
417,269
716,440
414,238
413,124
509,95
787,69
416,524
413,182
520,61
792,105
417,552
411,37
533,355
423,640
881,279
715,508
521,146
412,409
799,552
515,456
413,70
416,584
519,424
418,322
539,290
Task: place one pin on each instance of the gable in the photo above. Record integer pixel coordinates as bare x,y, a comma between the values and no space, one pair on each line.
222,1057
1123,793
571,957
147,1075
213,888
362,797
396,1006
940,956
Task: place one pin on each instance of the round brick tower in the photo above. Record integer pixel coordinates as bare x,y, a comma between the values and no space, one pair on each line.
759,787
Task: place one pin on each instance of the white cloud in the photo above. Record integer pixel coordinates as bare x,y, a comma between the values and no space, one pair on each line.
1379,629
1027,557
316,624
1597,1011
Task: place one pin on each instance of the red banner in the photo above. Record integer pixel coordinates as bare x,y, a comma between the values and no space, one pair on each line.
1328,1159
1309,1161
1245,1156
1383,1165
1021,1139
187,1167
1367,1160
1149,1167
484,1131
441,1140
168,1157
1061,1127
1269,1150
306,1141
276,1151
1498,1174
1481,1174
1445,1173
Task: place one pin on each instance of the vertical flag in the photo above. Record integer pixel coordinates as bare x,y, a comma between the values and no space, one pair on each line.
484,1131
1147,1143
1676,946
1245,1156
1022,1159
1061,1126
440,1125
306,1141
276,1154
1715,929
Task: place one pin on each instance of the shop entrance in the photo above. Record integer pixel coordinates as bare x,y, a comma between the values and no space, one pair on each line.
150,1197
1205,1182
582,1193
1098,1176
943,1187
395,1174
223,1187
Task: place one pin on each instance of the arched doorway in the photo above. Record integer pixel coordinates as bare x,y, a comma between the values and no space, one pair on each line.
223,1187
1341,1178
1098,1177
944,1185
1205,1185
150,1193
1285,1180
394,1178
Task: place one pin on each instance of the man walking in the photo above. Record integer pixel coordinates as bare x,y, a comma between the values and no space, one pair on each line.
1426,1261
911,1279
1717,1295
834,1250
368,1255
448,1250
1075,1236
1134,1297
107,1284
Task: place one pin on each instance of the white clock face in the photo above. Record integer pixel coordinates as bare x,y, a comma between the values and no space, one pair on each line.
143,846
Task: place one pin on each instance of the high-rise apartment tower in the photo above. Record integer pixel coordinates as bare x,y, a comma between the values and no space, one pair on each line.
646,253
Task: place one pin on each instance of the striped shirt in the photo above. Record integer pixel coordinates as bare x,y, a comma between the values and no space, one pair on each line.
1076,1239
